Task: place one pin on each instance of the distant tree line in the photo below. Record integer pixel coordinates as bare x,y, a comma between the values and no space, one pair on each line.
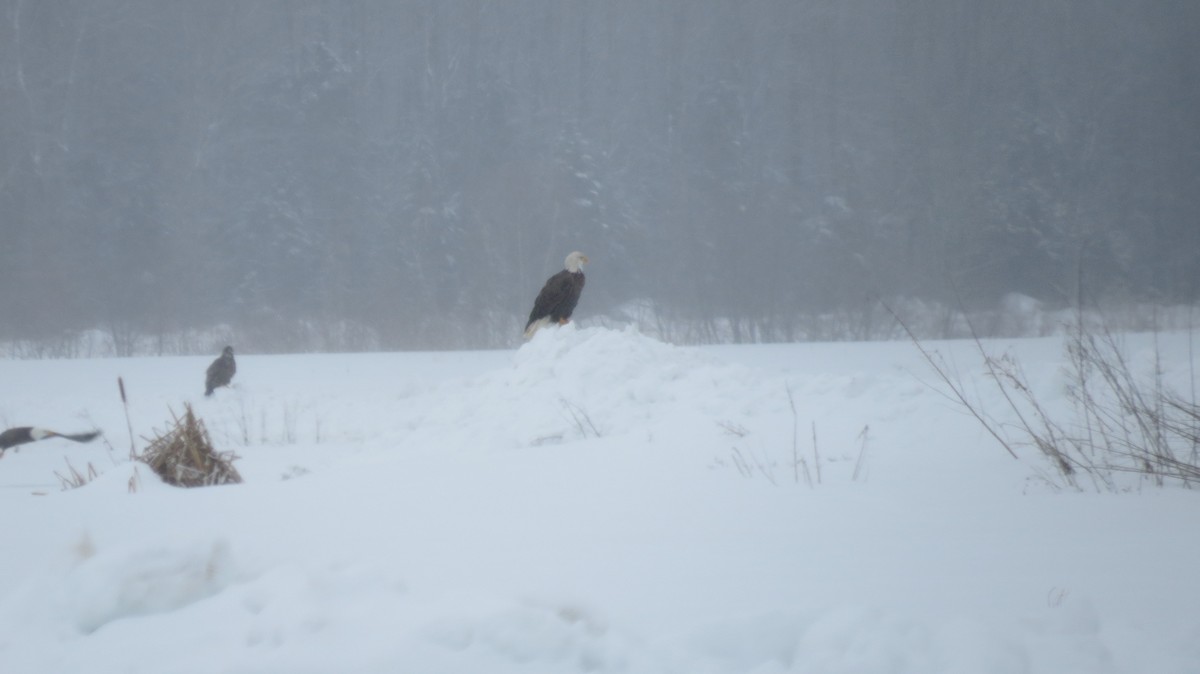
406,174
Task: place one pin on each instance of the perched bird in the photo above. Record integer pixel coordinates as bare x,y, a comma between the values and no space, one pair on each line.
221,372
559,296
23,434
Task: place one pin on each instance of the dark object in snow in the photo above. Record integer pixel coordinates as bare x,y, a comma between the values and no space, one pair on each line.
221,372
184,456
24,434
559,296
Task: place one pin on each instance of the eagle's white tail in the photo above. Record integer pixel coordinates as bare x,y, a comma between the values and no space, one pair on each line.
535,326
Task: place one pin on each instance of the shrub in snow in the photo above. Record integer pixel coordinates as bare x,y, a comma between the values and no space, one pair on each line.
1120,422
184,456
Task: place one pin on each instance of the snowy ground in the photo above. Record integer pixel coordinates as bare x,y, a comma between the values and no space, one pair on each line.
595,501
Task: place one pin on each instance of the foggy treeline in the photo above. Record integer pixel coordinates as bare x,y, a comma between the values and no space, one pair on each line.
406,174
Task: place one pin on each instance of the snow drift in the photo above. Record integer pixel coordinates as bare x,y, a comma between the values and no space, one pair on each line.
595,501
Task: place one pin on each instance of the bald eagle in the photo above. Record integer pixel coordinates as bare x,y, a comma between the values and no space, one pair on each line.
221,372
559,296
23,434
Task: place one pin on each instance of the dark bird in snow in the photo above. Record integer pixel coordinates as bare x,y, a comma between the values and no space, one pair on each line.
24,434
221,372
556,302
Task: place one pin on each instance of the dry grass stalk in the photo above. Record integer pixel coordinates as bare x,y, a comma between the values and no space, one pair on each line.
74,479
184,456
1120,423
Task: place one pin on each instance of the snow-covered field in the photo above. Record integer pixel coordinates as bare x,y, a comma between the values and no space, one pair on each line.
594,501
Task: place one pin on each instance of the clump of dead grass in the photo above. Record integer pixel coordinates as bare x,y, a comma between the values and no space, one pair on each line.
183,455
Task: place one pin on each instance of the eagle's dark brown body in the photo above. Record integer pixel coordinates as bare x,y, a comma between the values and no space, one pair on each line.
221,372
558,298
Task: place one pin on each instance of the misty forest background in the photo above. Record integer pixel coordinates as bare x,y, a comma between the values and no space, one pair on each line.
362,175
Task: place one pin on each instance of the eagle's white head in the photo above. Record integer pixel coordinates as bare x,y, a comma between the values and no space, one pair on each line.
41,433
575,262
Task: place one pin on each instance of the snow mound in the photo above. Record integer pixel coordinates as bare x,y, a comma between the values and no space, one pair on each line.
124,583
107,586
570,384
